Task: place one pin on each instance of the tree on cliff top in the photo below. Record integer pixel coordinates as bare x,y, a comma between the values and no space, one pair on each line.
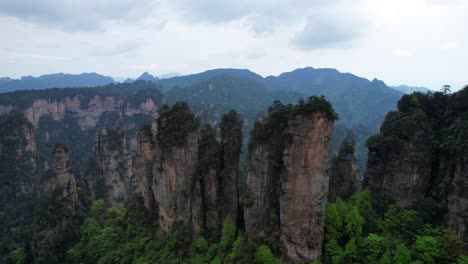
174,125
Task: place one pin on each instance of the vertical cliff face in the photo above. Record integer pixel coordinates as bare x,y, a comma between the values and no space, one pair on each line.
231,141
206,197
345,177
304,186
457,201
64,180
21,173
111,176
399,162
144,165
456,146
174,166
115,163
173,172
263,187
56,234
287,174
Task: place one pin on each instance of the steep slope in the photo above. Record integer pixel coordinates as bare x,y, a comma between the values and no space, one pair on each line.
57,217
21,175
290,147
345,177
174,164
57,80
75,115
420,156
355,99
111,172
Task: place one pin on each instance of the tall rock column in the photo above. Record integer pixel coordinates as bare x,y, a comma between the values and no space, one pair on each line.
174,164
206,209
261,202
399,160
457,201
304,185
231,142
345,178
114,165
64,181
144,166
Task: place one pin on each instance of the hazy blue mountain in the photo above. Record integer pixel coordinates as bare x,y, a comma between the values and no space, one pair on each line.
56,80
147,77
410,89
5,80
356,99
190,79
170,75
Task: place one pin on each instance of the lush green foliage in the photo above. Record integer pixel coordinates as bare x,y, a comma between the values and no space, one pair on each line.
174,124
355,234
120,235
435,123
21,173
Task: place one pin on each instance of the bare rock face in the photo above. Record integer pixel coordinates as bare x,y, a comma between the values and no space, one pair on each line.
173,172
457,201
231,141
304,186
86,115
211,195
63,201
262,190
64,181
402,171
345,178
115,165
144,166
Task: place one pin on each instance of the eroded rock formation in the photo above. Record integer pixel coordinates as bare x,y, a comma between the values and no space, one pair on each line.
144,165
457,201
345,177
287,183
304,186
114,164
64,180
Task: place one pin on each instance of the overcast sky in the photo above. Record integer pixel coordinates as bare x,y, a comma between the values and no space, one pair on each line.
414,42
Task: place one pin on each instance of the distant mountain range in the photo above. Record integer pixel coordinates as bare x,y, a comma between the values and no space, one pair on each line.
411,89
56,80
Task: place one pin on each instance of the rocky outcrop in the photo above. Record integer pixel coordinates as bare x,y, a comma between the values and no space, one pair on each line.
87,114
262,195
114,165
21,173
399,162
457,201
304,186
231,142
345,177
64,180
144,165
61,202
173,171
175,159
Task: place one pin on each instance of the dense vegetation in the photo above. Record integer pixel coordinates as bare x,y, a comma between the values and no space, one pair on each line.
276,120
174,124
21,174
440,123
23,99
354,233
